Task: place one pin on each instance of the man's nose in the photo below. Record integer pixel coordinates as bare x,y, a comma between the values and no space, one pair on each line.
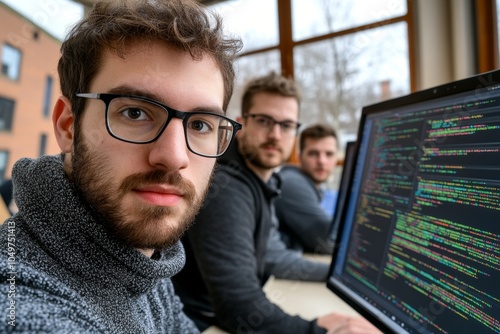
275,130
170,150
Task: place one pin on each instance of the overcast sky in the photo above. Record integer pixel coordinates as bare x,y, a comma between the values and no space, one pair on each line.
54,16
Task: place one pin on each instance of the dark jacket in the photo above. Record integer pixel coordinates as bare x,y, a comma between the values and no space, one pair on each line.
303,223
225,270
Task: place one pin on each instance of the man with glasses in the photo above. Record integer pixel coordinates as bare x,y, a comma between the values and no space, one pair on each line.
234,246
145,86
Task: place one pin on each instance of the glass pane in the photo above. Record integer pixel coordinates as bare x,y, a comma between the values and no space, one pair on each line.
247,68
43,144
54,16
255,21
6,114
4,155
318,17
341,75
11,61
48,94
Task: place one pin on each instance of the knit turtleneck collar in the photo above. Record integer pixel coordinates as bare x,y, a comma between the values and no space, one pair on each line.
52,212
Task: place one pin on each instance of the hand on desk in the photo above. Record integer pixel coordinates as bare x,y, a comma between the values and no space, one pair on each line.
343,324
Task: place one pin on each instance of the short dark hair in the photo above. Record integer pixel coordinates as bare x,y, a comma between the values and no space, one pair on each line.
113,25
270,83
317,131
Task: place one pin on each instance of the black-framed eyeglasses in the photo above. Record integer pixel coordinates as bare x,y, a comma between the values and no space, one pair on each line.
139,120
288,128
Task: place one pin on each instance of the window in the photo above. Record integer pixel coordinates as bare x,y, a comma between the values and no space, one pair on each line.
344,54
248,68
6,114
497,15
4,159
258,28
345,73
48,95
11,62
43,144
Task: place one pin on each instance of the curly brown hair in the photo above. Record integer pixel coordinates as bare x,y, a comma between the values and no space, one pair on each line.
270,83
113,25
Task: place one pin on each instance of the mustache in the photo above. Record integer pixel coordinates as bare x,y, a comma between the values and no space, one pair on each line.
272,143
159,177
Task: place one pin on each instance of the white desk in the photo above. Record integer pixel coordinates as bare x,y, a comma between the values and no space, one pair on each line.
306,299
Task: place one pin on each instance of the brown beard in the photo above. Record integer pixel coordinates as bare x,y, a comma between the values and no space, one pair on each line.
94,179
251,153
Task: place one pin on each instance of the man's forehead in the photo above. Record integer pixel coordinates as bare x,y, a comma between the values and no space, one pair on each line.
148,69
324,140
274,105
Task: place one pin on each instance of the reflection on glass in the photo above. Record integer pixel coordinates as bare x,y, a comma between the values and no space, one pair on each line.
318,17
247,68
255,21
341,75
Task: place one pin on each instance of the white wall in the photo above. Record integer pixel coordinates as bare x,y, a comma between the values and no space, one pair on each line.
444,41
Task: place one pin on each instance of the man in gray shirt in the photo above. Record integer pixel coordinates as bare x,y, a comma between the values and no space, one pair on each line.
140,122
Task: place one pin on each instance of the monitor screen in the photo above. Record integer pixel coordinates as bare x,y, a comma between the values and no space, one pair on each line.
419,246
343,190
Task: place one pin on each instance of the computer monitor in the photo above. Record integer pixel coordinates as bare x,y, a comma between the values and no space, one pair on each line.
343,190
419,246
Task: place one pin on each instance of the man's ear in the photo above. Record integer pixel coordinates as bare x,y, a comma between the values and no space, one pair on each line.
63,121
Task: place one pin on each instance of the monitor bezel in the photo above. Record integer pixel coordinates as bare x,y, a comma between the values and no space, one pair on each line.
344,186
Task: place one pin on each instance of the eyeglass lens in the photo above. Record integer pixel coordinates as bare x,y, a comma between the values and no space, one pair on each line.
141,121
267,122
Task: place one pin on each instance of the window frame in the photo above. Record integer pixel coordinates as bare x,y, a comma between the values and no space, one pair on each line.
18,70
4,168
286,43
486,35
10,122
47,99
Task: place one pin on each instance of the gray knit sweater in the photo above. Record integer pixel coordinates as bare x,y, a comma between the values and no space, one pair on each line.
61,272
